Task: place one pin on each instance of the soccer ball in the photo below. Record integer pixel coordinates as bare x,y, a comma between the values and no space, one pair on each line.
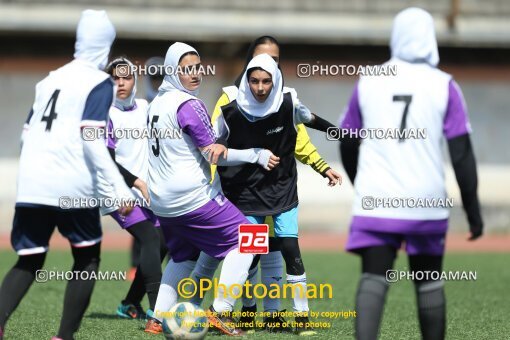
185,321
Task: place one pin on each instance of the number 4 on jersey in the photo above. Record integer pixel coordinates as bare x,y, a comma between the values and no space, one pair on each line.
407,100
53,115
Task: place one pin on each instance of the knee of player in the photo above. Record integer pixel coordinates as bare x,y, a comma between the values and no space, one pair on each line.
31,263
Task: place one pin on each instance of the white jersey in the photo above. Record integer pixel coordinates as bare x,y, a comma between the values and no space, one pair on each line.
52,162
179,176
131,153
411,168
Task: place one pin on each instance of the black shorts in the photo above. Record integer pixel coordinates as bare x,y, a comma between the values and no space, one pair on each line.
33,226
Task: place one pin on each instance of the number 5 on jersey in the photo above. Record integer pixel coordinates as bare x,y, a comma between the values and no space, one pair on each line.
155,149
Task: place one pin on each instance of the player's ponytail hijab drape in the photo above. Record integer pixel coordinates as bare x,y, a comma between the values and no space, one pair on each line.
413,38
94,37
265,39
245,99
171,80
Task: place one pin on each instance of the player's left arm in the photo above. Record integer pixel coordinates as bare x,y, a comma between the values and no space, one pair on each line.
348,146
302,115
307,154
456,129
305,116
26,126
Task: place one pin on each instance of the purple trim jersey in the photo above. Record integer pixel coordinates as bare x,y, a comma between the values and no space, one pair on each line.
394,173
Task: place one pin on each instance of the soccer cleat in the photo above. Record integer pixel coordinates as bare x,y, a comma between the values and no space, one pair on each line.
153,326
276,323
131,311
52,338
303,327
247,319
223,322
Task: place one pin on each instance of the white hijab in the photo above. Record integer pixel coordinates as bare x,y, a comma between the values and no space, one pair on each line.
94,37
171,81
413,38
150,92
129,102
245,99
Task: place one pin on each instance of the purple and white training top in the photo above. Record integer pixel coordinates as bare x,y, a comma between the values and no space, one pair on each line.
405,169
179,176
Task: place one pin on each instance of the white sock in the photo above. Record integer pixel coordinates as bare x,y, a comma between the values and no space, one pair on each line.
167,294
300,298
234,271
253,279
204,269
271,272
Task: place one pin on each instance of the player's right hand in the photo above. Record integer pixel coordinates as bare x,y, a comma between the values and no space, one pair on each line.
126,209
267,160
215,151
475,232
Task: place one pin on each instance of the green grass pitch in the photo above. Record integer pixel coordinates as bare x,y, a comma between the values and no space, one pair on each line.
476,309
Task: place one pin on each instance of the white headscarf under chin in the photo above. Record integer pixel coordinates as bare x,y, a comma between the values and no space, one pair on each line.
94,37
127,103
171,81
413,38
245,98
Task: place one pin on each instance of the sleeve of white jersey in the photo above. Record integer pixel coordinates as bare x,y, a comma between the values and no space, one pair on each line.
302,114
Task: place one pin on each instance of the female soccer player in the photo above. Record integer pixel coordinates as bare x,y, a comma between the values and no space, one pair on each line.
271,264
194,214
53,132
131,154
151,83
419,96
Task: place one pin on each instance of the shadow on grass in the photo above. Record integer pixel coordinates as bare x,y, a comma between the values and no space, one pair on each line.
105,316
